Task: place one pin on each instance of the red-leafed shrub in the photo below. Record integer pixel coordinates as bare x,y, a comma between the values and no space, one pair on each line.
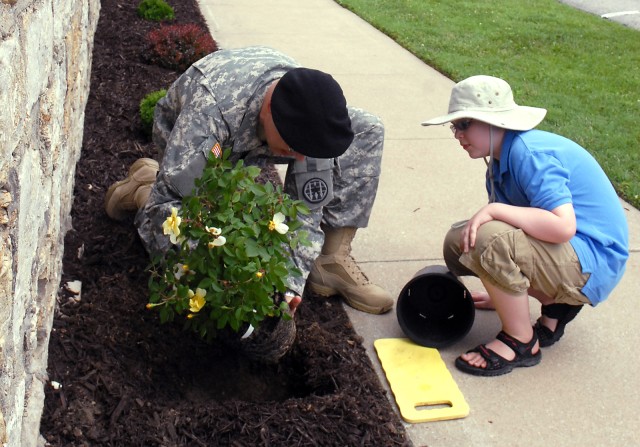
178,46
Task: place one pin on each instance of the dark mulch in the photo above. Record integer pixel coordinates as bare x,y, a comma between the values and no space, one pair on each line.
129,381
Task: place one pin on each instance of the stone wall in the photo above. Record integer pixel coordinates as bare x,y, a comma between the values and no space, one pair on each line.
45,62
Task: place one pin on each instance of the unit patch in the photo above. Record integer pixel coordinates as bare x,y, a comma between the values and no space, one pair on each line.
314,181
315,190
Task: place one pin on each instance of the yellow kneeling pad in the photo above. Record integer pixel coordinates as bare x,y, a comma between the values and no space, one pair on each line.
421,383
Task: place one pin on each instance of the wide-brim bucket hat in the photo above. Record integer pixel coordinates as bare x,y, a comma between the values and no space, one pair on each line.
490,100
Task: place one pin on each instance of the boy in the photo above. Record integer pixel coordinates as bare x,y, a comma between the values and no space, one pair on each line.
553,229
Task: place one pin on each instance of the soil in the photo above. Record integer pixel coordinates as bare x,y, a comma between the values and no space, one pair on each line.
128,380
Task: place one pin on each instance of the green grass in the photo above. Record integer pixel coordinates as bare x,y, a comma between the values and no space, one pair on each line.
583,69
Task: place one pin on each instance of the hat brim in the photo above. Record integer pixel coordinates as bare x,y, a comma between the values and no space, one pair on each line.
519,118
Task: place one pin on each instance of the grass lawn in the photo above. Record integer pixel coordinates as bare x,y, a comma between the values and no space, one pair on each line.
585,70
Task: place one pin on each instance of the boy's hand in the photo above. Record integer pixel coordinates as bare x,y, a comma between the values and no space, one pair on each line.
470,230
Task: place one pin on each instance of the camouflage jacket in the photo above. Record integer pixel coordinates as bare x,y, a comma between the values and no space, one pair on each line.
217,101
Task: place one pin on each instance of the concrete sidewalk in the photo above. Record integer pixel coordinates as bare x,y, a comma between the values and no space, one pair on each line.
586,391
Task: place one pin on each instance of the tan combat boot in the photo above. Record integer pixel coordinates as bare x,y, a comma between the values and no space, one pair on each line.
131,193
335,272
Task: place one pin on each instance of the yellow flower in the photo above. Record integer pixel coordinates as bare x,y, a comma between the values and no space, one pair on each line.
171,226
213,230
217,242
259,274
190,316
196,300
278,224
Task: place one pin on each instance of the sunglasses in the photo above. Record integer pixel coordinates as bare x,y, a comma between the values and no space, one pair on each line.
461,126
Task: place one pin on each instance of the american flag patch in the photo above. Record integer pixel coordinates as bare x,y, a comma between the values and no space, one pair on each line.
216,150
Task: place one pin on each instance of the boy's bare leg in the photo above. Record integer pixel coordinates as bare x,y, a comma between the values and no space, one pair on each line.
482,300
551,323
513,311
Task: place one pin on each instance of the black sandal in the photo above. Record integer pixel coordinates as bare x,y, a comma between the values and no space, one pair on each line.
498,365
564,313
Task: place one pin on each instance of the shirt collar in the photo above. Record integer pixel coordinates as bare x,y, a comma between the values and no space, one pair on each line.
247,138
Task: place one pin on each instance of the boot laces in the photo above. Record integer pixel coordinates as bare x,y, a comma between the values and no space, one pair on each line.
354,270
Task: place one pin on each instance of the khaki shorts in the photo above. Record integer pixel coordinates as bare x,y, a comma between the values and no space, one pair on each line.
515,262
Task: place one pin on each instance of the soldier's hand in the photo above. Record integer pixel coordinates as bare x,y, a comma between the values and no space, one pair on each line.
293,300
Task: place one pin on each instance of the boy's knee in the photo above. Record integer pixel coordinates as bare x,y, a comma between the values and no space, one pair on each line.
451,244
488,232
501,254
451,253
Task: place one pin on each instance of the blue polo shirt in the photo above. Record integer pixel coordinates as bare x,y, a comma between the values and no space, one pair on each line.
544,170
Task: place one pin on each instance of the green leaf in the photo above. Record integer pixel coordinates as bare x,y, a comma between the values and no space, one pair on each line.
251,247
215,287
222,321
280,270
205,283
235,324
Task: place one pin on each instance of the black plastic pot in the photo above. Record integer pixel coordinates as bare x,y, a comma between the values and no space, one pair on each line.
435,309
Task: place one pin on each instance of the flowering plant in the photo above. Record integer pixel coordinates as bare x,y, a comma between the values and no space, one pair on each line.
230,259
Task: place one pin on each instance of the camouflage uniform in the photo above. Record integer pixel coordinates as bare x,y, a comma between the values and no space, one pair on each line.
218,100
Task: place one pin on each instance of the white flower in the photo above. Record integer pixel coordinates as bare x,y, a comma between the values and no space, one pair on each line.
278,224
213,230
179,270
217,242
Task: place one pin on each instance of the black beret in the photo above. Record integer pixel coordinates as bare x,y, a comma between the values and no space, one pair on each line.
310,112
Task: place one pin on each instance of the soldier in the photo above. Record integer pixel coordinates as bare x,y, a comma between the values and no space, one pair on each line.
263,106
